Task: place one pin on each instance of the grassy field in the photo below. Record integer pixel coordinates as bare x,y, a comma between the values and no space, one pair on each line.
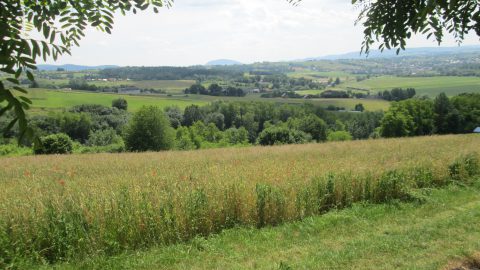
55,99
170,86
65,208
430,86
442,231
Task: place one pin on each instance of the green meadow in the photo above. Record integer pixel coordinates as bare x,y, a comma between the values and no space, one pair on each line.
56,99
430,86
170,86
44,99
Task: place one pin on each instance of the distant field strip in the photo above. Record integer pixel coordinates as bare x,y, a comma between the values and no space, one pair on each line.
174,86
52,99
430,86
75,206
58,99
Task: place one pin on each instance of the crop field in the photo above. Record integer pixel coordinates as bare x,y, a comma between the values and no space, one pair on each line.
171,86
47,100
430,86
54,99
408,235
63,208
349,103
319,76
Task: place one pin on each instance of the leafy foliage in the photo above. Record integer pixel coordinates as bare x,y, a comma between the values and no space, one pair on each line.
393,22
55,144
120,103
149,129
60,25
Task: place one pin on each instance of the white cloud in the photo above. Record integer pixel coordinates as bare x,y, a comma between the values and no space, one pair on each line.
194,32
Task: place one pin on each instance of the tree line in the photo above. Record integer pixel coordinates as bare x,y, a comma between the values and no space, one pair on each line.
97,128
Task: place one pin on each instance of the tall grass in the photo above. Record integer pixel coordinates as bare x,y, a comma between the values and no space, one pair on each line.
56,208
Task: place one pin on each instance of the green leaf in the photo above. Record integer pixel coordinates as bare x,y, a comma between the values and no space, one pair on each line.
19,89
30,76
12,80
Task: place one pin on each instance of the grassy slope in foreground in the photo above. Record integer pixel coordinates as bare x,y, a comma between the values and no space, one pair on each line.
88,205
446,227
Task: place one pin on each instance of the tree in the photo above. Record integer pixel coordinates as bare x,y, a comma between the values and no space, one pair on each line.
120,103
359,107
191,115
393,22
149,130
59,25
396,123
175,115
215,90
441,108
216,118
314,126
75,125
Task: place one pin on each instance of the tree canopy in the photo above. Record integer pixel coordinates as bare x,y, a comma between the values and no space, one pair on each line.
31,29
393,22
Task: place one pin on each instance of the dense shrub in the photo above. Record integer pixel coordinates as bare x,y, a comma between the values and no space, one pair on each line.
314,126
55,144
76,125
464,167
339,136
14,150
103,137
236,136
120,103
149,130
282,135
118,147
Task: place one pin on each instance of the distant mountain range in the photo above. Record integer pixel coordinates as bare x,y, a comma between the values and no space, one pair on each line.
409,52
69,67
223,62
424,51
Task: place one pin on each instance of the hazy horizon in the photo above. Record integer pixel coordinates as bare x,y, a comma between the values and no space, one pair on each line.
247,31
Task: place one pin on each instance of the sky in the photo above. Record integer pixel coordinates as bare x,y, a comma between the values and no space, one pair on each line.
193,32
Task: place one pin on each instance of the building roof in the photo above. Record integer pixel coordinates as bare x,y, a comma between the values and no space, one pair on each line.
477,130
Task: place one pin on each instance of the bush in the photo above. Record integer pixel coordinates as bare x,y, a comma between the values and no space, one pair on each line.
314,126
236,136
120,103
14,150
103,137
111,148
149,130
55,144
339,136
76,125
282,135
464,167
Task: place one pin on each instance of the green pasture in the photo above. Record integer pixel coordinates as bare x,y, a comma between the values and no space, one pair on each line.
55,99
48,100
430,86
